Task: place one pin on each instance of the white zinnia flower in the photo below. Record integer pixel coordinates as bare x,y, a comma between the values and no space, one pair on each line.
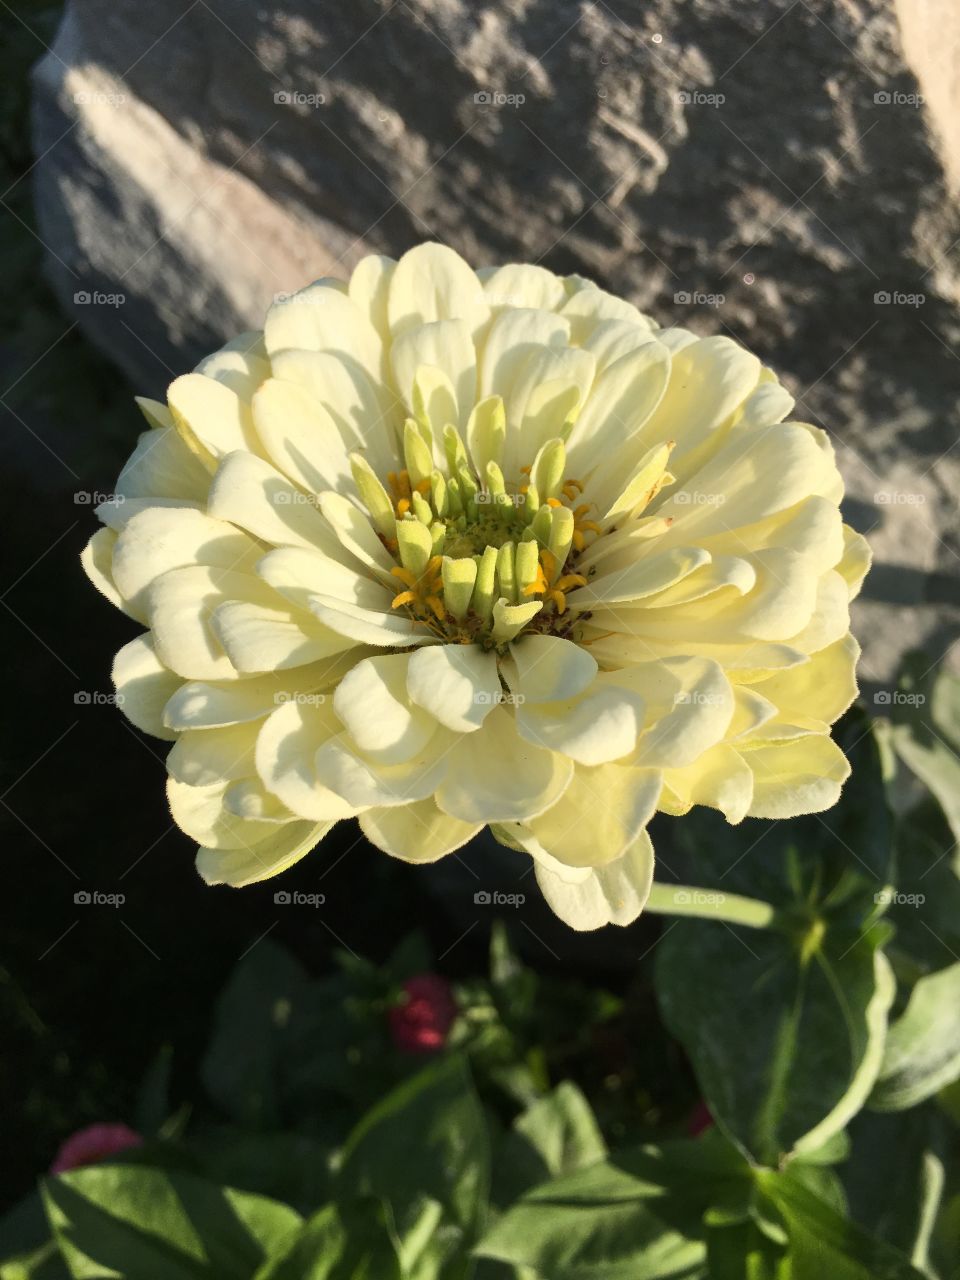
445,549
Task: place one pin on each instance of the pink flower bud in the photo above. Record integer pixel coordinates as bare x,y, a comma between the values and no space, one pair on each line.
91,1145
422,1020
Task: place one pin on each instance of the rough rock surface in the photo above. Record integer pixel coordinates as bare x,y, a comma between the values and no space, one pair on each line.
772,162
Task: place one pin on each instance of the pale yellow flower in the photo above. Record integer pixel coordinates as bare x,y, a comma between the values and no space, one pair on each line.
444,549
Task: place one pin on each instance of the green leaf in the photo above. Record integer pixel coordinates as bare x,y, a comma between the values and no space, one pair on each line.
558,1134
137,1223
925,731
25,1233
42,1263
824,1245
922,1052
424,1151
636,1216
338,1243
925,910
785,1030
894,1178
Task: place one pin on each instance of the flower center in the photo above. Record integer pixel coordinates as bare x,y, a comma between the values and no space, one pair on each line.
478,561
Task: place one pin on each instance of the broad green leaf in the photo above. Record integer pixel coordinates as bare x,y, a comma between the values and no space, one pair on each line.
785,1030
926,732
922,1052
635,1216
824,1245
136,1223
338,1244
894,1178
424,1151
925,907
558,1134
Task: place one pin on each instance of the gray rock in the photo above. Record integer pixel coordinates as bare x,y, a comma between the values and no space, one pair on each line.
771,163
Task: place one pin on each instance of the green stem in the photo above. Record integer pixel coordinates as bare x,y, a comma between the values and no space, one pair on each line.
709,904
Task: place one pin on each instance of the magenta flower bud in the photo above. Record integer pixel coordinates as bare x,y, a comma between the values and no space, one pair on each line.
422,1020
94,1143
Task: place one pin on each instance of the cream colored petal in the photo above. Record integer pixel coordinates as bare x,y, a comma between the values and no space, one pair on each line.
513,337
754,475
161,466
549,668
356,535
823,687
323,318
830,619
600,725
163,538
258,637
611,340
599,816
523,285
690,705
202,757
416,833
658,569
180,605
211,419
116,512
446,345
620,402
144,685
364,408
614,894
797,777
268,857
494,776
300,574
588,305
855,563
431,282
208,705
366,784
457,684
369,290
96,559
368,626
300,437
200,813
709,380
253,495
241,365
720,779
374,707
286,749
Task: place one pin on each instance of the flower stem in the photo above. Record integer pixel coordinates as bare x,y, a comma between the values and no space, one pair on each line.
709,904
